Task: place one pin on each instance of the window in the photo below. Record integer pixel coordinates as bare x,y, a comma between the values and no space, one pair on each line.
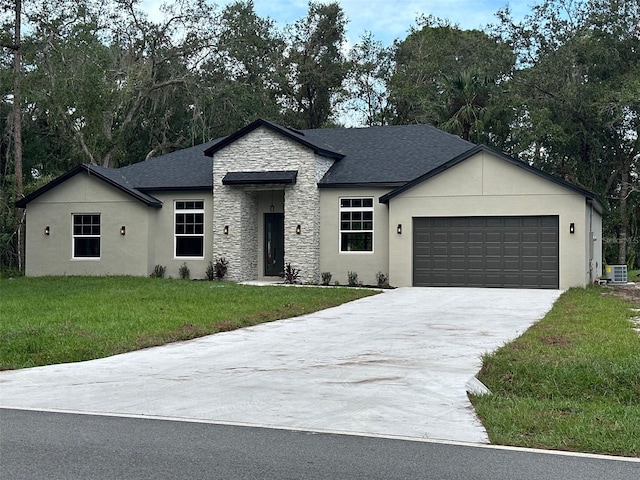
356,224
86,236
189,228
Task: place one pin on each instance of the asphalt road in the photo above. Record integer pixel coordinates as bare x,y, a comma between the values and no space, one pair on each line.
41,445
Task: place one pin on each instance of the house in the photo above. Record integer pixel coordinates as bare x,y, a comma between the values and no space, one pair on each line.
420,205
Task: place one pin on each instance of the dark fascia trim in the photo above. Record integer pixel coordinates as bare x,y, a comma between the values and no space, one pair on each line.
144,198
287,132
362,185
189,188
271,177
483,148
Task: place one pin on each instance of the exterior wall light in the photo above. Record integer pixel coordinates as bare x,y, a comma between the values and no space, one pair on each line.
123,230
225,230
572,228
399,229
47,230
298,229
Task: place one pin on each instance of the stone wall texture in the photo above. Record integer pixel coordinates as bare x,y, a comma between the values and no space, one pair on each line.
237,207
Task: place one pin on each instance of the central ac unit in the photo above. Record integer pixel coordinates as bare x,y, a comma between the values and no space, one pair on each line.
616,273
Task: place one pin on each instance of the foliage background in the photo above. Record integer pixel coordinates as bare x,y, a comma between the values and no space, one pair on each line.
103,84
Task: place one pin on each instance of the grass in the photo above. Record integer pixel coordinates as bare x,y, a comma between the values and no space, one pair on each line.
68,319
571,382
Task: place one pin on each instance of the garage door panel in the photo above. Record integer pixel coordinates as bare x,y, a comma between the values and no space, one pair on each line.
531,237
487,251
511,237
475,237
548,237
492,237
475,264
457,249
512,250
548,221
512,264
439,237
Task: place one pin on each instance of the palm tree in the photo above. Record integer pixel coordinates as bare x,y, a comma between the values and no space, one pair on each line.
466,99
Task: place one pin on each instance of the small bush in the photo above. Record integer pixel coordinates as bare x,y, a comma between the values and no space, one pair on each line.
158,271
326,278
352,279
221,268
184,271
210,272
11,272
290,274
382,279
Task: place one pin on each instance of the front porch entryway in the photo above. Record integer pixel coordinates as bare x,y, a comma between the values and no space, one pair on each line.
273,244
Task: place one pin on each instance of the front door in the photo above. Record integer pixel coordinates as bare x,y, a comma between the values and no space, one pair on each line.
273,244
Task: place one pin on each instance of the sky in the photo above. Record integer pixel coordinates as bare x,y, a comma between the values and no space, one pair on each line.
385,19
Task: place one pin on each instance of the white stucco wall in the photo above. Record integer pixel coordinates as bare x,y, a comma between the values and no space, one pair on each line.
162,239
148,241
119,255
365,264
485,185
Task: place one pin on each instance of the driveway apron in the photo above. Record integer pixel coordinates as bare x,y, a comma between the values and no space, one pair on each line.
392,364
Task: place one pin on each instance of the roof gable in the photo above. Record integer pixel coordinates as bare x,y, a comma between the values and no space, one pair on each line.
185,169
295,135
482,148
108,175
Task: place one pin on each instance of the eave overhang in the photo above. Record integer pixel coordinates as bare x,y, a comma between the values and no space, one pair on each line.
286,177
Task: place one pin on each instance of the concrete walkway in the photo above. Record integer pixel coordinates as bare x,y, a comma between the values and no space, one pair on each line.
393,364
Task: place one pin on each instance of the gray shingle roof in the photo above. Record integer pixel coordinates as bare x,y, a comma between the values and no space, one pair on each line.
183,169
390,155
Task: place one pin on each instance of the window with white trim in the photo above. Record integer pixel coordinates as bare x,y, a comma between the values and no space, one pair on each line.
356,224
189,228
86,235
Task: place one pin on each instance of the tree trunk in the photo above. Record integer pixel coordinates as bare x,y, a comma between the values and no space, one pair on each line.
625,188
17,130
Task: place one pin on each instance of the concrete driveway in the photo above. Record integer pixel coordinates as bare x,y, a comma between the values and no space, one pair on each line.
392,364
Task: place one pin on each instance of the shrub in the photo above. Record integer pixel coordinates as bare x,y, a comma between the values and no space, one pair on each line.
382,279
158,271
326,278
210,272
184,271
290,274
11,272
220,268
352,279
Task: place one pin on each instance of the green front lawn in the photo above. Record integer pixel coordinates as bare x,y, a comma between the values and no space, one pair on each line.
571,382
68,319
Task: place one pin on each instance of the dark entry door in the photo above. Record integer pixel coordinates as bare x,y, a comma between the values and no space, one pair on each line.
273,244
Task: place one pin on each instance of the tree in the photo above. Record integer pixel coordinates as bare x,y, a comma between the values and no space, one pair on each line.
16,236
99,72
579,108
315,66
370,67
448,77
243,81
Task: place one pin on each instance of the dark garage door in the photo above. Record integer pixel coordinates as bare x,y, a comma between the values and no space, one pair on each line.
517,252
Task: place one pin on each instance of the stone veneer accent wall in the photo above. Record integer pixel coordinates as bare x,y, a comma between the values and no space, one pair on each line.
265,150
